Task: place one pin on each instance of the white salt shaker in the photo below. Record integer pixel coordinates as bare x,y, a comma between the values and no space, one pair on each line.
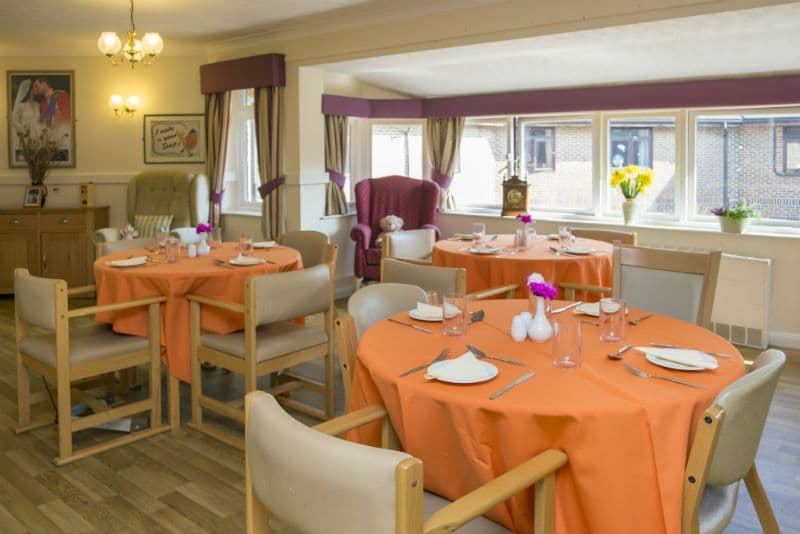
519,328
191,250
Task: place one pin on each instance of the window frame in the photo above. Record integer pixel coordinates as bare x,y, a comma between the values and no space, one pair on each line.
538,139
240,183
371,123
509,131
795,138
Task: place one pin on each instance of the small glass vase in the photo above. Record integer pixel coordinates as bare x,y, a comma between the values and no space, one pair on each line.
630,210
539,328
202,247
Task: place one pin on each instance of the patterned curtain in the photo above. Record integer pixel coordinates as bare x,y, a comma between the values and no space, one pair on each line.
218,113
335,157
442,142
267,119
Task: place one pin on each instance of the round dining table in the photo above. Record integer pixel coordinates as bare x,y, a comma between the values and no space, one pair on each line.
203,275
627,437
509,266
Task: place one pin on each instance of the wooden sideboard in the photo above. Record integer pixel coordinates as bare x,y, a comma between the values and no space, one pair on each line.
50,242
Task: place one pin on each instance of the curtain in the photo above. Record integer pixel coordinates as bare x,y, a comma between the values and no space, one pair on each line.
442,142
335,157
267,122
218,113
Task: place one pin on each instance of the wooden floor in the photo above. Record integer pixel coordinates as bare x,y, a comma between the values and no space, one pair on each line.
184,482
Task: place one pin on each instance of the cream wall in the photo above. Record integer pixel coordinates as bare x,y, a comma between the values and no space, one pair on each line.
108,148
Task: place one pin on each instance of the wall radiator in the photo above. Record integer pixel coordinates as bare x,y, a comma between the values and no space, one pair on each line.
742,304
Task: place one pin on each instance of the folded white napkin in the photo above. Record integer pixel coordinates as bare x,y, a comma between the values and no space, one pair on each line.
246,260
465,367
694,358
264,244
434,313
130,262
588,308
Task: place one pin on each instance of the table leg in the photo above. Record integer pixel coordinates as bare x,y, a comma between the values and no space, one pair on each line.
174,392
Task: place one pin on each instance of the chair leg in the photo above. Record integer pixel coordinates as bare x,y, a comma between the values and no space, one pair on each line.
64,404
329,402
769,525
23,394
197,388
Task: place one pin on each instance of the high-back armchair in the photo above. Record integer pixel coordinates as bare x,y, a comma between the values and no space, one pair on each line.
176,192
416,201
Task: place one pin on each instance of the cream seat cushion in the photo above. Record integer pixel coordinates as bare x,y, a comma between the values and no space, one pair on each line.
85,344
272,340
717,507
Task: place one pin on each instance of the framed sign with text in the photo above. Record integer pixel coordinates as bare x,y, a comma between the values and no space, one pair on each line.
174,139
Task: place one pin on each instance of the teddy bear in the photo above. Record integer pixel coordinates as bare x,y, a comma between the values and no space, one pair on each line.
388,224
128,232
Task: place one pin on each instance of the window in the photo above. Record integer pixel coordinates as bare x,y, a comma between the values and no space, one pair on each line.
397,149
753,157
566,186
647,142
241,164
481,165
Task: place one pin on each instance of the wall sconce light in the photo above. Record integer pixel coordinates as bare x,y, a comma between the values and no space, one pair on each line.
123,107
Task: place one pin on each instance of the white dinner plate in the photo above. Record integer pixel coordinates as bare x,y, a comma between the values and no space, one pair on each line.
463,237
265,244
592,309
489,372
414,314
246,260
580,251
552,237
486,250
129,262
655,360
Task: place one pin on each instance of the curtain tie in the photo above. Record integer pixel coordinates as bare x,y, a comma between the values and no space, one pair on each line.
336,177
216,197
267,188
441,179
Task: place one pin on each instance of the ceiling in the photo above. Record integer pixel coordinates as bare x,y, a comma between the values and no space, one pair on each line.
750,41
74,26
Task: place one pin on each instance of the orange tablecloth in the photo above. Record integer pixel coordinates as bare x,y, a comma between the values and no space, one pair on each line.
485,271
175,280
627,438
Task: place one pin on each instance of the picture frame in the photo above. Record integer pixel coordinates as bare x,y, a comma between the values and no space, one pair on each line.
34,196
41,100
177,138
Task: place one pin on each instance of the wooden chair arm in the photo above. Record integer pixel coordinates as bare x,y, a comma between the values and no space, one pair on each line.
224,304
91,310
345,423
81,290
509,289
570,288
486,497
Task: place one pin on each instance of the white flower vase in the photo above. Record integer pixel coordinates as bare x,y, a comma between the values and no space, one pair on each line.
630,210
540,328
202,247
733,226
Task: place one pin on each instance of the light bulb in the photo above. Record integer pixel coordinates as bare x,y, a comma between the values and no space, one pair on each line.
152,44
131,103
109,43
115,101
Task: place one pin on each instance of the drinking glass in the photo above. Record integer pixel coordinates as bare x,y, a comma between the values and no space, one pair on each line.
433,298
246,244
567,342
564,236
456,325
612,320
173,250
478,232
161,238
216,237
520,239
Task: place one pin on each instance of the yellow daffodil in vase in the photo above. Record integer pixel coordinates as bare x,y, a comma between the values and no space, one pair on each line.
631,181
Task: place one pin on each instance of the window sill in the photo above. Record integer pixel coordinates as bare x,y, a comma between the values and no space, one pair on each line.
248,213
706,227
341,216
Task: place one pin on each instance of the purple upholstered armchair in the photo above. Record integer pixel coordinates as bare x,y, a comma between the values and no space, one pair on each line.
414,200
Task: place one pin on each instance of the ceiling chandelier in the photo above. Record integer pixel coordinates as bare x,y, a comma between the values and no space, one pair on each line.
134,51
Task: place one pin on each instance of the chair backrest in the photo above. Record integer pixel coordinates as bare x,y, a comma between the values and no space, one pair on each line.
311,244
609,236
175,192
443,280
410,244
282,296
315,483
416,201
376,302
745,404
105,248
669,282
35,298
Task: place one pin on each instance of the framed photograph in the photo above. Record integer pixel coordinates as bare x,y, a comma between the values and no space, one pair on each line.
42,103
34,195
174,139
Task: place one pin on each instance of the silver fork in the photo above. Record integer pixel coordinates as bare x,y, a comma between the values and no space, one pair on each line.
643,374
635,322
439,358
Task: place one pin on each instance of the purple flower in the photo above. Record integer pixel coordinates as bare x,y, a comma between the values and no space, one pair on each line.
720,211
526,218
543,289
203,228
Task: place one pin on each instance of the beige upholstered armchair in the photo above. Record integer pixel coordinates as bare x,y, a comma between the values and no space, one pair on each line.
179,193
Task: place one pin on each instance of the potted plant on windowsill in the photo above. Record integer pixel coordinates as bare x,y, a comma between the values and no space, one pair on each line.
736,218
631,181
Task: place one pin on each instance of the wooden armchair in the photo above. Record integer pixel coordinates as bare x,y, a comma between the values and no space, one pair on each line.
366,490
443,280
415,246
69,356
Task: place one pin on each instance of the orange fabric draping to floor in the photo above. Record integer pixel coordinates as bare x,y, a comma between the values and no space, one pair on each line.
485,271
627,438
175,280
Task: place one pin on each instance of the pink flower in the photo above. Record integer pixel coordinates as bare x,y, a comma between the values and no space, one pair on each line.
203,228
540,288
525,218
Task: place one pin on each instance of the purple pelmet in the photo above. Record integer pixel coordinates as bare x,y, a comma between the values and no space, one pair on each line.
543,289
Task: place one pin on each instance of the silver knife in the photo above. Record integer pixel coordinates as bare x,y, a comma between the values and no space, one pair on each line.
411,325
478,352
679,381
565,308
665,346
513,384
439,358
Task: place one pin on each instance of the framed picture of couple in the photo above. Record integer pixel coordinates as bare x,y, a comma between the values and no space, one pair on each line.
41,106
